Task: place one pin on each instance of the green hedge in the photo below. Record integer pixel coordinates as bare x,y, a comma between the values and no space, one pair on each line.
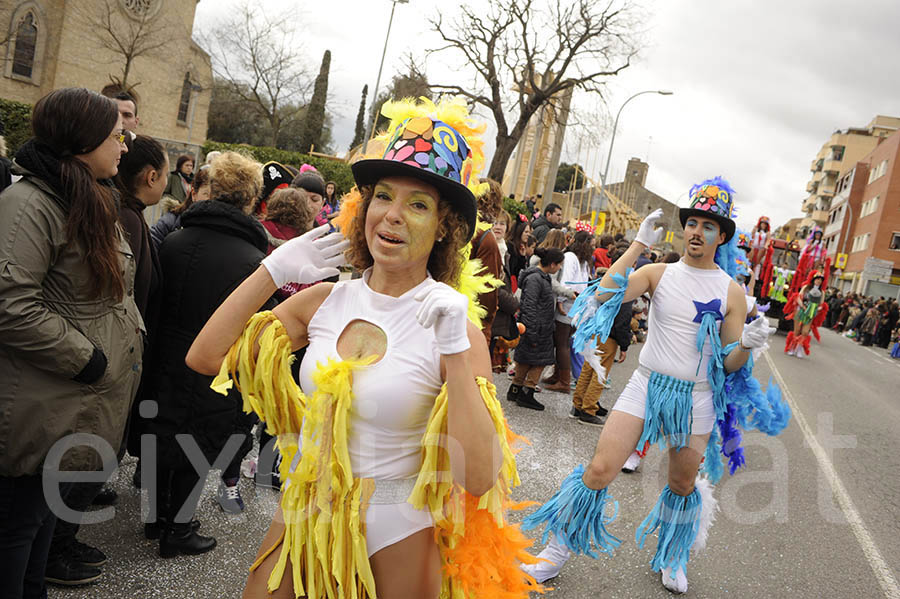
515,207
331,170
16,118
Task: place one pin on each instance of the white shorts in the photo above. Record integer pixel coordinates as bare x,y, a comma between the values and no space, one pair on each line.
633,400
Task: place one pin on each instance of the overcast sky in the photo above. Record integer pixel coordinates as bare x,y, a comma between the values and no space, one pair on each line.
759,86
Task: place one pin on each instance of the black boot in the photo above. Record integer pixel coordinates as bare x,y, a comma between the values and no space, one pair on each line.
153,530
181,538
513,393
526,399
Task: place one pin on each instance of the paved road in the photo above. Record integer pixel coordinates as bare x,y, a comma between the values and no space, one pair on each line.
781,532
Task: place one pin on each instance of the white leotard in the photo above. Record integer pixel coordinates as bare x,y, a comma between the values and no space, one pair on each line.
392,398
671,346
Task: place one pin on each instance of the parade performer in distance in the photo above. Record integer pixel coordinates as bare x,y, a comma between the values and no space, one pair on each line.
804,307
692,390
812,256
759,241
399,482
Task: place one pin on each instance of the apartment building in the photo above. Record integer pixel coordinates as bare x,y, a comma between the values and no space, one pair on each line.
837,156
864,221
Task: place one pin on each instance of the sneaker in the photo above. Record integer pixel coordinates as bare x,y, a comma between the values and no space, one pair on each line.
586,418
605,383
677,584
229,497
632,463
87,555
556,555
575,413
601,411
67,572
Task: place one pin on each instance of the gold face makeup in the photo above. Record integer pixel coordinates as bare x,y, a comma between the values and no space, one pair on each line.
402,222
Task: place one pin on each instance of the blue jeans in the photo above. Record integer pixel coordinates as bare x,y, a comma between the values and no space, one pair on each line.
26,528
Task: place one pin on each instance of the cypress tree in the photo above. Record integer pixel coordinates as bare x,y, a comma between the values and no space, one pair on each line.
315,111
360,133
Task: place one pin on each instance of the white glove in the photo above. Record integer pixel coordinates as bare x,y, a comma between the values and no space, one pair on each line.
308,258
446,310
647,235
756,333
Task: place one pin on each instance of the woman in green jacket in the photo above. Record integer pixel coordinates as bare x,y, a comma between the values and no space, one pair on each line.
70,333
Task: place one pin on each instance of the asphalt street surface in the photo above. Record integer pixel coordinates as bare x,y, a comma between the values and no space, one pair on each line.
815,512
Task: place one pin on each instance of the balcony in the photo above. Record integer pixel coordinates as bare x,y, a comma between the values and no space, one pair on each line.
811,186
832,167
820,216
818,176
812,165
825,190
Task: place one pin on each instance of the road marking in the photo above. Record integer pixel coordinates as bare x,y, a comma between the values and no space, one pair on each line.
882,571
883,357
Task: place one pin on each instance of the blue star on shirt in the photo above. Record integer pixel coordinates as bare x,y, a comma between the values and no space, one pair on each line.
714,307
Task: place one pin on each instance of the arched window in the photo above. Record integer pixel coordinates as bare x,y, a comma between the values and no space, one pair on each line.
26,43
185,102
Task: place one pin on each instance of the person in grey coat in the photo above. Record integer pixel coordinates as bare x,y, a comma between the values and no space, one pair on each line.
537,309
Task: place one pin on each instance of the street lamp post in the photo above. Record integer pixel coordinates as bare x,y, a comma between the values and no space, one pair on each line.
373,117
598,203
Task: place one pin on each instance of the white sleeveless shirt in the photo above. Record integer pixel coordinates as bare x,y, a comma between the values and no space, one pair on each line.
671,346
393,397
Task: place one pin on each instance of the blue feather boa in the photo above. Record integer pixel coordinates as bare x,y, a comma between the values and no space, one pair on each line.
593,320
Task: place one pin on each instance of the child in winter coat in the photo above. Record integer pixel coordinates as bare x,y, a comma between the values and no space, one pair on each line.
536,312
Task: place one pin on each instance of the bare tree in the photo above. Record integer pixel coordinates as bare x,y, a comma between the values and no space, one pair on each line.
129,38
526,57
258,58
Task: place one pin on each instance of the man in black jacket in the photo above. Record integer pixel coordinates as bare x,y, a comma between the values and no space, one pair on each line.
550,220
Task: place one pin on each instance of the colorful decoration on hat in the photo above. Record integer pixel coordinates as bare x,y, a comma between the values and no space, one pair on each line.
715,196
438,137
812,234
763,220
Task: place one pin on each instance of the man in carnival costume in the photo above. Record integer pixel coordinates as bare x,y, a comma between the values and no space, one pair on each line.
693,384
403,481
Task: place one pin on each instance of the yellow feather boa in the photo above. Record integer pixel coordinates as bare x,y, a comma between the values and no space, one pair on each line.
324,536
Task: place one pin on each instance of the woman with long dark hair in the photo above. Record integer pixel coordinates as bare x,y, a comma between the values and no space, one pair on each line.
70,333
575,275
516,240
179,183
141,182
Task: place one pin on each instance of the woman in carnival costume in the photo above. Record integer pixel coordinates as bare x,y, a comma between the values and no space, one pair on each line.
804,307
692,390
759,240
405,470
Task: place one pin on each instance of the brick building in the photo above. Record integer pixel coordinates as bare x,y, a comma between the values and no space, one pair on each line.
50,44
865,219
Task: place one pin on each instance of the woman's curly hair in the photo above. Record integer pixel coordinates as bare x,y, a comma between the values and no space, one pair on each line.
235,179
444,263
290,206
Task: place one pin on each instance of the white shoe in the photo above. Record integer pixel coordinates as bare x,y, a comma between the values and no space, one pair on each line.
799,351
678,584
632,463
556,555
